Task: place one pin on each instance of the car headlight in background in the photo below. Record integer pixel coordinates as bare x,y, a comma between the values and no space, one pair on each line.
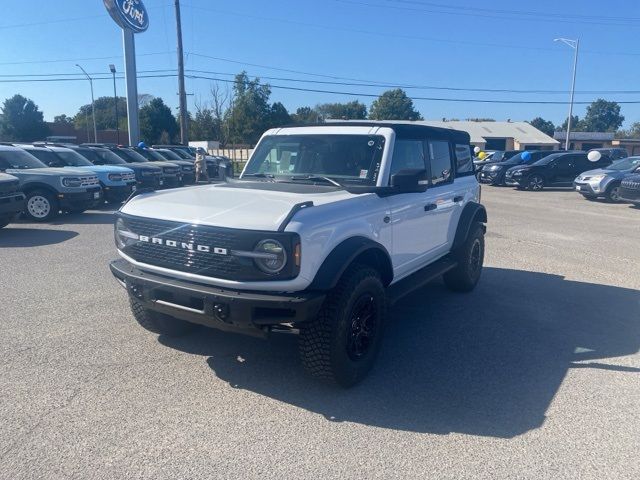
492,168
123,236
595,178
270,256
517,173
71,182
115,177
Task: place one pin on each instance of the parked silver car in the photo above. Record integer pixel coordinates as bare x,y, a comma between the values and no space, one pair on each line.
605,182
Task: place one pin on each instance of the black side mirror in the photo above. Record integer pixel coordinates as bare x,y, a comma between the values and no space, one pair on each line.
408,181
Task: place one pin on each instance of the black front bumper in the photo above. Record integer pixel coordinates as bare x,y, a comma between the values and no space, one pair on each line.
171,181
11,204
224,309
118,193
81,200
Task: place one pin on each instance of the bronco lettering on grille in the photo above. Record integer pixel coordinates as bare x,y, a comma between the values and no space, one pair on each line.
183,245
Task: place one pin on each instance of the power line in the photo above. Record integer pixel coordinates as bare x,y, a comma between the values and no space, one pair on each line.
70,60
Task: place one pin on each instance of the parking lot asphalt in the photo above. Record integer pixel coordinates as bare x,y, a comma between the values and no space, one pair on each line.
535,374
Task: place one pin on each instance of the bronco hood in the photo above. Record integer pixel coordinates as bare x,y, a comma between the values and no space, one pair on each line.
250,206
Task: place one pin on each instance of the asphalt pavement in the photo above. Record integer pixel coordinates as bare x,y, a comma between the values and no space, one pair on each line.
534,375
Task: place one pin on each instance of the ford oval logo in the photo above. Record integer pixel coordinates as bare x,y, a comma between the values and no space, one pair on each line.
130,14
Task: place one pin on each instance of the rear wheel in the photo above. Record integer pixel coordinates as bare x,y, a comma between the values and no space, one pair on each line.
159,323
342,343
470,258
536,183
41,206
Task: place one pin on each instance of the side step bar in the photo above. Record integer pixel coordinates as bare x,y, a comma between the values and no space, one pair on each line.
419,279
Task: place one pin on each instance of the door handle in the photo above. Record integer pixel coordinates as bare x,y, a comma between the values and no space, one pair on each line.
430,206
457,199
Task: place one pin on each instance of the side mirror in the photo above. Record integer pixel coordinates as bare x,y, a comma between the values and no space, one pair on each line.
408,181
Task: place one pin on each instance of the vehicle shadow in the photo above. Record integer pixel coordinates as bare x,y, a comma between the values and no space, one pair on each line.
486,363
33,237
90,217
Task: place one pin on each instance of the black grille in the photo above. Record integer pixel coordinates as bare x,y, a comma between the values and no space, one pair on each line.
7,188
210,264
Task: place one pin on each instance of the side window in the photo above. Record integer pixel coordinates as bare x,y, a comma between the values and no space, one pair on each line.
563,162
440,157
464,162
407,154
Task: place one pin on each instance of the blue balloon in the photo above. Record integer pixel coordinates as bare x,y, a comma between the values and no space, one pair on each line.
142,145
526,156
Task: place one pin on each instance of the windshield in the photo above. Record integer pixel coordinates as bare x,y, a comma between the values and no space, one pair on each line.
349,158
130,155
20,159
73,159
169,155
548,159
150,154
625,164
182,154
107,157
497,156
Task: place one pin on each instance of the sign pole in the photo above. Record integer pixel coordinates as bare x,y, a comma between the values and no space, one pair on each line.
132,85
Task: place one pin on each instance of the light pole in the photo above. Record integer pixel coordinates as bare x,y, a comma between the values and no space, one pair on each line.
93,109
575,44
112,67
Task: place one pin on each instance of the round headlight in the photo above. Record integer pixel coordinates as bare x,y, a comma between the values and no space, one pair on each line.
71,182
123,236
271,256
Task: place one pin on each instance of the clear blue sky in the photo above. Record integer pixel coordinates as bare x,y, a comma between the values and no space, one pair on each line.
496,44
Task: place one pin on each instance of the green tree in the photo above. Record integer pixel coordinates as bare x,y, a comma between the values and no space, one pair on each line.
545,126
63,119
157,122
203,125
21,120
576,125
306,115
394,105
343,111
279,116
603,116
250,112
105,114
632,132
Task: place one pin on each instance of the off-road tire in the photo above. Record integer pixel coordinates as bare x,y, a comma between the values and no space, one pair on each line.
159,323
328,343
470,258
54,207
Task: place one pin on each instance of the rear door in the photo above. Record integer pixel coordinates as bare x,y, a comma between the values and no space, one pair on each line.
561,170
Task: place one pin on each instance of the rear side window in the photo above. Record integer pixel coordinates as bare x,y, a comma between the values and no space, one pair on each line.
464,162
408,154
440,159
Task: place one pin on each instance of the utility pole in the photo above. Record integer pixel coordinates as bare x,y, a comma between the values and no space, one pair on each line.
575,44
184,127
112,67
93,110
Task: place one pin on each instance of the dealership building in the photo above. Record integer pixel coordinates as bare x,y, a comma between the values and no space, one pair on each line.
501,135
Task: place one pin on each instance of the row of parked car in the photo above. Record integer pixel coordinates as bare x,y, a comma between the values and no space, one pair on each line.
600,173
41,180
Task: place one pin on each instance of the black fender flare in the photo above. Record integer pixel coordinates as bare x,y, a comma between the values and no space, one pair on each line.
30,186
471,213
360,249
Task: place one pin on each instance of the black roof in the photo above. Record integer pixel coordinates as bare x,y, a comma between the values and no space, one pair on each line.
403,130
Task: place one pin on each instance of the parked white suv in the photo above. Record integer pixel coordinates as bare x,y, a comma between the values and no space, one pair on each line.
326,226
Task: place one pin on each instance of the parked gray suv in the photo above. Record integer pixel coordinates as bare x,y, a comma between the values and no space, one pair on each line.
605,182
11,199
49,190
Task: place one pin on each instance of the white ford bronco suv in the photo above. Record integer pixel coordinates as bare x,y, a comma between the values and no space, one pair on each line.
326,226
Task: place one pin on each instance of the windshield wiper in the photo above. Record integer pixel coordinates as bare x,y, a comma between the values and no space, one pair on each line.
258,175
317,178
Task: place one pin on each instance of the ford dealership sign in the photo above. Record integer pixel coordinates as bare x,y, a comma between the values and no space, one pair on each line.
129,14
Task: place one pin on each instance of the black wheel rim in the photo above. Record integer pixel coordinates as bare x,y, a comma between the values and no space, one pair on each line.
363,323
475,259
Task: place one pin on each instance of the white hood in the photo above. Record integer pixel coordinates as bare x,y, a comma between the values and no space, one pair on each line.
217,205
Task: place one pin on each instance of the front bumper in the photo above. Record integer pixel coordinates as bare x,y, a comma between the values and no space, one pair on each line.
489,177
224,309
586,189
171,181
513,182
119,193
11,204
81,200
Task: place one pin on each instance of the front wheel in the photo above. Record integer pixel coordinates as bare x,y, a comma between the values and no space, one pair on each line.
613,193
342,343
159,323
470,258
536,183
42,206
